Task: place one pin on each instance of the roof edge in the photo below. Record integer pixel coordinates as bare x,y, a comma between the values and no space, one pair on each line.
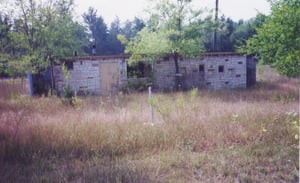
127,56
220,53
95,57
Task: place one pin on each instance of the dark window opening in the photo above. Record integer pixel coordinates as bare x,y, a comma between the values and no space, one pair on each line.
227,82
208,83
238,76
166,58
69,65
240,62
139,70
201,68
221,68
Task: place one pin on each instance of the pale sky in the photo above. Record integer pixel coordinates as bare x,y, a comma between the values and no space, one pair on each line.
128,9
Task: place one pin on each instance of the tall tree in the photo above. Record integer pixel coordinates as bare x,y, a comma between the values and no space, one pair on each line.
98,31
168,33
43,31
114,46
227,28
131,28
278,40
5,43
244,30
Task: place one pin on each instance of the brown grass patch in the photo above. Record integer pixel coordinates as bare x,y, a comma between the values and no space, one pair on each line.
244,135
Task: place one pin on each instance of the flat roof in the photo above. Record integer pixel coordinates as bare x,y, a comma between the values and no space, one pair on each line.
124,56
95,57
220,53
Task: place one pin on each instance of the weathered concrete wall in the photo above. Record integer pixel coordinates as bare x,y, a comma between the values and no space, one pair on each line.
214,70
85,73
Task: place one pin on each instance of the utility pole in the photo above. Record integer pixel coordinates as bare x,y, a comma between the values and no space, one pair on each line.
215,32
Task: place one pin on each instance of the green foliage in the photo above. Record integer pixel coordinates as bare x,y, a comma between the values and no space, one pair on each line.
41,31
114,46
246,30
231,35
67,92
167,32
105,38
278,40
135,85
5,43
193,94
69,96
98,30
131,28
149,45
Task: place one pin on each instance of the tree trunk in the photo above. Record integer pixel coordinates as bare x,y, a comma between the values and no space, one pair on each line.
52,76
178,84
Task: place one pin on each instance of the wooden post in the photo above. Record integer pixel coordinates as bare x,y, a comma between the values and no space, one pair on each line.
151,107
215,32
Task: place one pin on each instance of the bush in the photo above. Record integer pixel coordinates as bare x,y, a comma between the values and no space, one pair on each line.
135,84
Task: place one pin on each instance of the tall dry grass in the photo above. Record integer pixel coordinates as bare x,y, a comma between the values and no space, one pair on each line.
244,135
10,88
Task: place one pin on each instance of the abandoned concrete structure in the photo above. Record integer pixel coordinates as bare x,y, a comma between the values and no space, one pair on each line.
92,74
215,70
105,74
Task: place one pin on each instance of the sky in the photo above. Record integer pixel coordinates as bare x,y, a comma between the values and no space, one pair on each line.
128,9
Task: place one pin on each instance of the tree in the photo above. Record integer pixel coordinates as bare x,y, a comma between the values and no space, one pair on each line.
208,28
245,30
227,27
42,32
168,32
98,30
5,43
277,41
114,46
105,39
131,28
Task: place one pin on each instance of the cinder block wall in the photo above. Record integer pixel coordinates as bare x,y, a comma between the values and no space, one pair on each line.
85,74
215,71
234,73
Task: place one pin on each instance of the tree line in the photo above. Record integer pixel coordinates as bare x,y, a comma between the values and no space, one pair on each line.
35,33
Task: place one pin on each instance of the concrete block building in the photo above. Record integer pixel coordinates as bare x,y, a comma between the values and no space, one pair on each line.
104,75
216,70
99,75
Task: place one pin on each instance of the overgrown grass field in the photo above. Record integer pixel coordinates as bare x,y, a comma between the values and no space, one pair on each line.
241,135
